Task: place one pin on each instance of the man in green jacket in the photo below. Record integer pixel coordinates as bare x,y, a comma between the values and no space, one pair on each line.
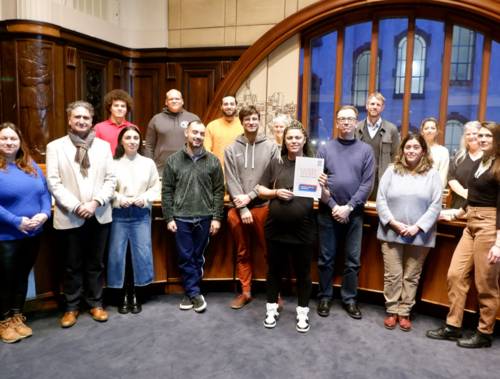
193,206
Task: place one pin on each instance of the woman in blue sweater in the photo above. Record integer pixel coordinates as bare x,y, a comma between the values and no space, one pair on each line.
24,208
408,206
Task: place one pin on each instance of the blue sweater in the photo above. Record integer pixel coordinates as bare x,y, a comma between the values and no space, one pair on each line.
350,167
21,195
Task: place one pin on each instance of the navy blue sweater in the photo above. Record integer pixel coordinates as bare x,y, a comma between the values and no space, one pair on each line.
350,167
21,195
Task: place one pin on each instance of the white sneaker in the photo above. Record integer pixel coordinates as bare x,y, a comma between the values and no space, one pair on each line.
272,315
302,319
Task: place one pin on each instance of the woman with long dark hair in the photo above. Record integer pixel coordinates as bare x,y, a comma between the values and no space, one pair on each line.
24,208
478,251
130,261
408,206
290,228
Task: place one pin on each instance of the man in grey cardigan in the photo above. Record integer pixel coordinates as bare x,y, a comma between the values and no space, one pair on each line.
380,134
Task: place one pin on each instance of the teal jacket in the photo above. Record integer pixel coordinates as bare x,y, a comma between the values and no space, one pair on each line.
192,188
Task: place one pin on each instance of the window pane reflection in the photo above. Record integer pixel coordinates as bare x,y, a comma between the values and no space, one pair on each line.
463,96
322,90
391,31
427,105
493,101
356,65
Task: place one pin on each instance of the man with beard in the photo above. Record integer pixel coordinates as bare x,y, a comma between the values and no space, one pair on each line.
223,131
80,177
381,135
193,207
165,133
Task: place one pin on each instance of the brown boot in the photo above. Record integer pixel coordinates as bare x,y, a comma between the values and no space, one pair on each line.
69,319
17,322
8,333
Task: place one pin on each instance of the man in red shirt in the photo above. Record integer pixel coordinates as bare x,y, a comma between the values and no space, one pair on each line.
117,103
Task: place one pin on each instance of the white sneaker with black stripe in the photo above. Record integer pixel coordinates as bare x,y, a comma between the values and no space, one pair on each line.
302,319
272,315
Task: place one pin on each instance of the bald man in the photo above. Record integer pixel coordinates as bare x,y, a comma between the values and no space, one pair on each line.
165,134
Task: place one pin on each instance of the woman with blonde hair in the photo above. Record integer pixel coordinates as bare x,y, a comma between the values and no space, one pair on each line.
439,154
462,164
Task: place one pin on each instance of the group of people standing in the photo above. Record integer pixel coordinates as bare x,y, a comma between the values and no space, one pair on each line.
104,188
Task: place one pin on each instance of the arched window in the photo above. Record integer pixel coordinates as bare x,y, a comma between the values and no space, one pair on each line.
418,66
462,55
361,78
453,134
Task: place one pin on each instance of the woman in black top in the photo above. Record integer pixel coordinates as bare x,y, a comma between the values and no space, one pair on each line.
290,227
478,251
462,164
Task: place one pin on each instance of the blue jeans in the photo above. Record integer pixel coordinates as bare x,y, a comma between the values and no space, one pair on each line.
331,233
130,226
191,239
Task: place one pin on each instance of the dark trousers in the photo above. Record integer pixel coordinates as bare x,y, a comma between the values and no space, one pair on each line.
191,239
17,257
84,266
278,254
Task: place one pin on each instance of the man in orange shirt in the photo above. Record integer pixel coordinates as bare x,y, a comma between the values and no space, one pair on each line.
223,131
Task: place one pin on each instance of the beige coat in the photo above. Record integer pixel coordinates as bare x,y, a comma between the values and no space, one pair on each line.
62,180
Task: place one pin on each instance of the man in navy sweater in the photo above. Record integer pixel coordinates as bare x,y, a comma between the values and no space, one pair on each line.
347,183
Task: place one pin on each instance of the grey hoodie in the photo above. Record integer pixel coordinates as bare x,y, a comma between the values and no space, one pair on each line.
244,165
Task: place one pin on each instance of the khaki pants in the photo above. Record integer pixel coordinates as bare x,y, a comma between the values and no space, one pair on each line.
470,254
402,268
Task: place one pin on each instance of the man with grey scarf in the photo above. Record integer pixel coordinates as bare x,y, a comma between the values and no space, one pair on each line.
81,180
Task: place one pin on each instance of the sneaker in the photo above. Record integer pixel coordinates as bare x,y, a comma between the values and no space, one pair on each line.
199,303
240,301
17,322
7,333
272,315
186,304
302,319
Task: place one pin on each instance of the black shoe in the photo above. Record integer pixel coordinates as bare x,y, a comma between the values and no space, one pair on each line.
476,340
352,310
324,307
446,332
135,306
124,307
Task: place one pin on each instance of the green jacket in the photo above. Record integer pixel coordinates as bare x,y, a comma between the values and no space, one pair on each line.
192,188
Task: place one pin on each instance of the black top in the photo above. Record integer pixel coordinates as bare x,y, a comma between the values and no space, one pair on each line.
461,173
288,221
484,191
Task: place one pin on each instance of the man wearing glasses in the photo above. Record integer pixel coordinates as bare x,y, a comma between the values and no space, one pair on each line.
347,182
381,135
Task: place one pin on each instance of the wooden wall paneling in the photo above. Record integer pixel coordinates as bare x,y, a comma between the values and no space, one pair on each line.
198,85
59,126
115,74
306,84
8,83
72,82
35,78
93,76
144,86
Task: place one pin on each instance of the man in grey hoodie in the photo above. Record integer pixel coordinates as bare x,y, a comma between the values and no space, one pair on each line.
165,133
244,163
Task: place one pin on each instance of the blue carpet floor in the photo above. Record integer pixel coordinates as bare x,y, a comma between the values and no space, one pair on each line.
164,342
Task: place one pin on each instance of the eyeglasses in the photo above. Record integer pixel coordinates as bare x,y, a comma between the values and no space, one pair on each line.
346,119
481,135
